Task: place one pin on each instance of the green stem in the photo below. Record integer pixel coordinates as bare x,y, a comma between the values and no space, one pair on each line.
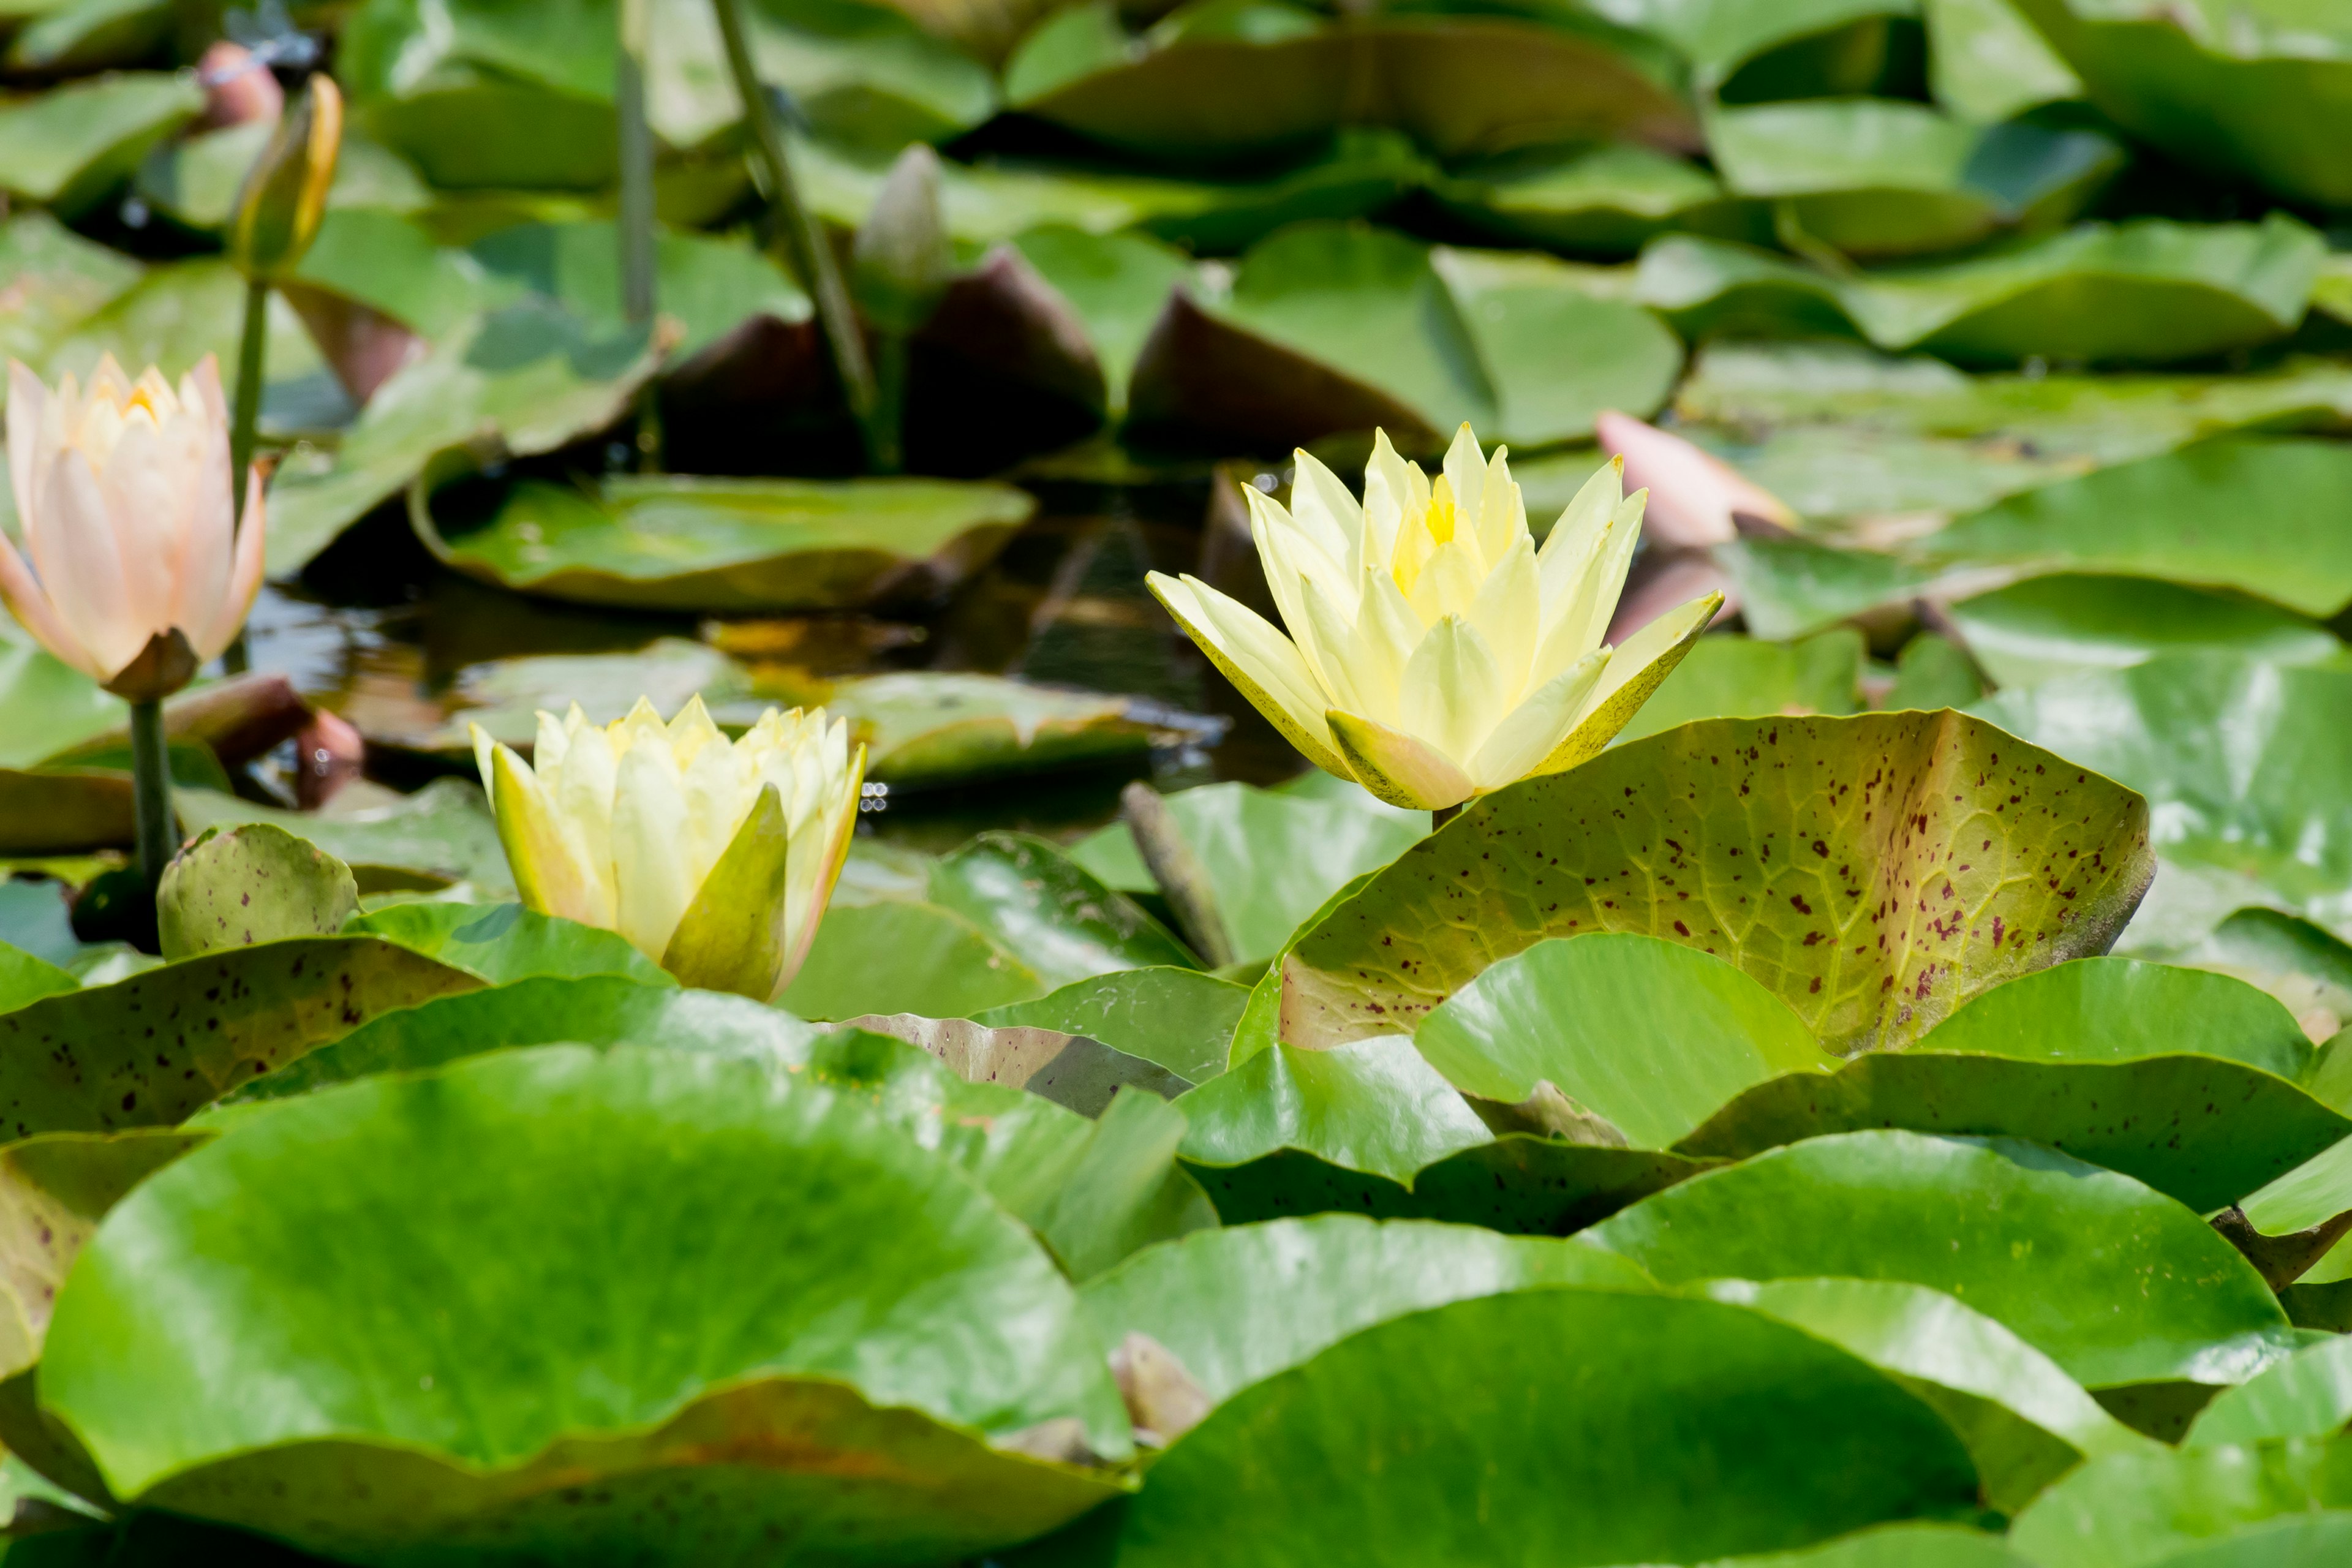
812,254
886,437
635,225
151,776
246,417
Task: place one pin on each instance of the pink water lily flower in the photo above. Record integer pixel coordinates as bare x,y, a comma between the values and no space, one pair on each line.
138,572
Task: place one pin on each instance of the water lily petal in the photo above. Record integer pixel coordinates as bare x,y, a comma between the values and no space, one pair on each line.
1502,510
29,404
1568,548
1262,663
72,543
1447,582
546,875
245,572
1508,613
1395,492
827,830
1452,695
1466,476
734,933
147,496
1394,766
1634,672
31,607
1584,620
1326,512
1534,729
649,873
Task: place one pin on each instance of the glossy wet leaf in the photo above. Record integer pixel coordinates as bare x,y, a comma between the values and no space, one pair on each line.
1745,678
152,1049
903,955
2026,1422
1881,177
441,836
2068,624
2308,1395
2147,292
1748,839
693,544
1051,914
2236,757
1648,1036
2136,1510
2256,93
55,1188
69,147
250,884
1373,1106
506,943
1180,1018
1239,1305
523,380
1272,856
825,1346
1329,327
1589,1454
2018,1233
1987,62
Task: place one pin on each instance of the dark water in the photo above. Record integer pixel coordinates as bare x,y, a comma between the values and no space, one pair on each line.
1065,605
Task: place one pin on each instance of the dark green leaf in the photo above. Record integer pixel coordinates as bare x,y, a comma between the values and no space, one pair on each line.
1051,914
2136,1510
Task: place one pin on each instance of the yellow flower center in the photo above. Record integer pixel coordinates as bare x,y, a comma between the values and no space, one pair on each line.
1440,520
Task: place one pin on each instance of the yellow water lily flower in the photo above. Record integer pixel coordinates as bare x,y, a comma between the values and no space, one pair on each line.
713,858
1434,653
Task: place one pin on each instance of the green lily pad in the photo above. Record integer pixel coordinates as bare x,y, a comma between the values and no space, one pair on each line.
440,837
2308,1395
504,696
1603,200
2238,759
54,1190
1237,1306
2069,624
2185,1080
50,706
1987,63
2019,1233
841,1349
2135,1510
149,1050
71,147
1272,856
1881,177
250,884
1644,1035
1631,841
926,728
2254,91
389,262
692,543
1180,1018
1331,327
1727,677
709,284
1071,1070
58,278
506,943
1720,37
1050,912
1637,1405
2143,292
903,955
1116,283
2308,969
524,379
1231,80
2026,1422
26,977
90,34
194,181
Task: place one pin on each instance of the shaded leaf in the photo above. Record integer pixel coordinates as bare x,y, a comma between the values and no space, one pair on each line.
1180,1018
1048,911
1071,1070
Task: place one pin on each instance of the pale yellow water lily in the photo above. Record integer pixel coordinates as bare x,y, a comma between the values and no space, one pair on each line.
138,571
714,858
1434,653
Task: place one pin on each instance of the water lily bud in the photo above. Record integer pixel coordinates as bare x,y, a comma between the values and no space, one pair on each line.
903,260
285,192
714,858
1695,499
1434,653
138,572
239,88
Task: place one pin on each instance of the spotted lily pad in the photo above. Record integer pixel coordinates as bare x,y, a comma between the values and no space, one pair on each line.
1874,871
692,543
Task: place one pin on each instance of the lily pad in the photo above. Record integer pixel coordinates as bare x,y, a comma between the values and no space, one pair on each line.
26,977
441,836
927,728
506,943
58,278
1729,677
2254,91
1603,200
2026,1422
1347,327
2144,292
1239,1305
1272,856
708,285
150,1050
1644,1038
2070,625
71,147
840,1344
2016,1232
1050,912
1638,1405
1715,836
2237,757
903,955
1116,283
1180,1018
522,380
251,884
194,181
1881,177
1071,1070
693,544
1987,63
2134,1510
1371,1106
2308,1395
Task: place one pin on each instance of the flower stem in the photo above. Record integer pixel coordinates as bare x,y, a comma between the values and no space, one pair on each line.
246,417
812,254
150,776
885,438
1444,815
635,225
